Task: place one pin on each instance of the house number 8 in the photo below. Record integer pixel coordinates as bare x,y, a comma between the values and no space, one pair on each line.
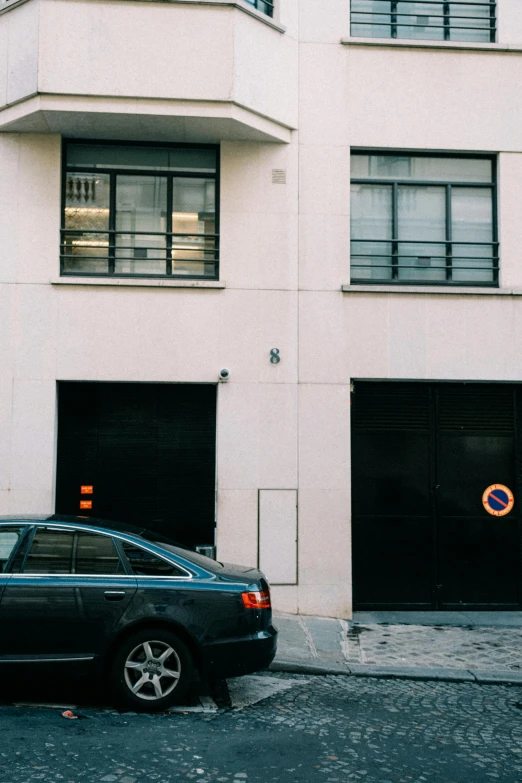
274,356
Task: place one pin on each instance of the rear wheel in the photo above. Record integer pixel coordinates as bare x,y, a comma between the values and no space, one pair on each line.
152,670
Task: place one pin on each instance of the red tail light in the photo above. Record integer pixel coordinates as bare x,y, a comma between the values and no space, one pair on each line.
258,600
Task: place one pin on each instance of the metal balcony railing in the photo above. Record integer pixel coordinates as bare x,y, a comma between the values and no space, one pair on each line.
444,20
428,262
139,254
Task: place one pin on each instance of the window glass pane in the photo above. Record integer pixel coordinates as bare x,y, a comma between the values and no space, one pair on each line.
403,167
371,219
265,6
371,18
145,563
87,199
8,540
422,226
371,212
423,21
97,554
141,157
193,215
472,214
50,553
422,213
141,206
470,22
472,221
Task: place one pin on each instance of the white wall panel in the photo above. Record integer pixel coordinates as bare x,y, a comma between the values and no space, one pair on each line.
278,535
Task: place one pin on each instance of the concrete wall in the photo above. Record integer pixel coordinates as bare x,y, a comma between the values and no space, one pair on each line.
133,49
19,52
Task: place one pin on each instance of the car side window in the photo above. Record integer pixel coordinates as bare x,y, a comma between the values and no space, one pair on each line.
9,537
96,554
50,553
144,563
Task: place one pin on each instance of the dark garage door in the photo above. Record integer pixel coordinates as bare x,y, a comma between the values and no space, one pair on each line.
422,456
147,450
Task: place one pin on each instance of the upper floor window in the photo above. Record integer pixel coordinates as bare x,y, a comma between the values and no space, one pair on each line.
433,20
418,219
265,6
139,210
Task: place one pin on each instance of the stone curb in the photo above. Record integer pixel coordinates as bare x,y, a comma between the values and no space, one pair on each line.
293,666
479,676
413,673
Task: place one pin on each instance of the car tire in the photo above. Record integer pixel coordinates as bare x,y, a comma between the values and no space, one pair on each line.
152,670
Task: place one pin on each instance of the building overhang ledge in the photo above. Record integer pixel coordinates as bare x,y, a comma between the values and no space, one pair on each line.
239,4
141,119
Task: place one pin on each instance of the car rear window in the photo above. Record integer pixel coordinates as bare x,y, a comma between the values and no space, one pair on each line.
145,563
192,557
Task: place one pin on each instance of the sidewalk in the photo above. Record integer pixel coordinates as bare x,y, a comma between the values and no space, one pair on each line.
484,647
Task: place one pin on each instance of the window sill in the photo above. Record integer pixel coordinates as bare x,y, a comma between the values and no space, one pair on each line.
440,290
138,283
407,43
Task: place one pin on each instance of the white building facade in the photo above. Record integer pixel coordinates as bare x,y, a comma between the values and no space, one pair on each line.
322,197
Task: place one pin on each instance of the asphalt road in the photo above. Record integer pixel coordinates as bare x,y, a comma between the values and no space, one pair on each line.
313,729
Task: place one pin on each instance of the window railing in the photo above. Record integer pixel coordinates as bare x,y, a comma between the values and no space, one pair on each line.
139,254
265,6
444,20
428,262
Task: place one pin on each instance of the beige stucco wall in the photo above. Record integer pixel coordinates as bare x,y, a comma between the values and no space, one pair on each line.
142,51
285,256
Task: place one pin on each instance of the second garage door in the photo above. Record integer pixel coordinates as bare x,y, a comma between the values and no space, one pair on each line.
423,455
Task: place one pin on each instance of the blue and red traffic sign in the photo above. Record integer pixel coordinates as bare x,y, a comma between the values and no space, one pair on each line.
498,500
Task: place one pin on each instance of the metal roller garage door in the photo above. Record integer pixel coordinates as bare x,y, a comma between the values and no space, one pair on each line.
146,450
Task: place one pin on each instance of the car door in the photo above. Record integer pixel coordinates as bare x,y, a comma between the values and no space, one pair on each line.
39,612
105,588
51,610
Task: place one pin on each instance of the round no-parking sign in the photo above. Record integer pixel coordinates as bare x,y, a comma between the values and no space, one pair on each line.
498,500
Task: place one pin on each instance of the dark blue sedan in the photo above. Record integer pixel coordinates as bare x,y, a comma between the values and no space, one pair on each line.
143,613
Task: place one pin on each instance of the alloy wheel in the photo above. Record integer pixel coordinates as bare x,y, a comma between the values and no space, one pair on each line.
152,670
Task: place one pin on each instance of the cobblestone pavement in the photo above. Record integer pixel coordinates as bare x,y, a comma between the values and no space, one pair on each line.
308,729
439,646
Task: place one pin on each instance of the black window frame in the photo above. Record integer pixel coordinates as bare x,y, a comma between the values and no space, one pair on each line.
448,242
392,21
263,6
111,230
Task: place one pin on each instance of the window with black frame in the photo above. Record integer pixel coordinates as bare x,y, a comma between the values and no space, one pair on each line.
419,219
434,20
265,6
139,211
